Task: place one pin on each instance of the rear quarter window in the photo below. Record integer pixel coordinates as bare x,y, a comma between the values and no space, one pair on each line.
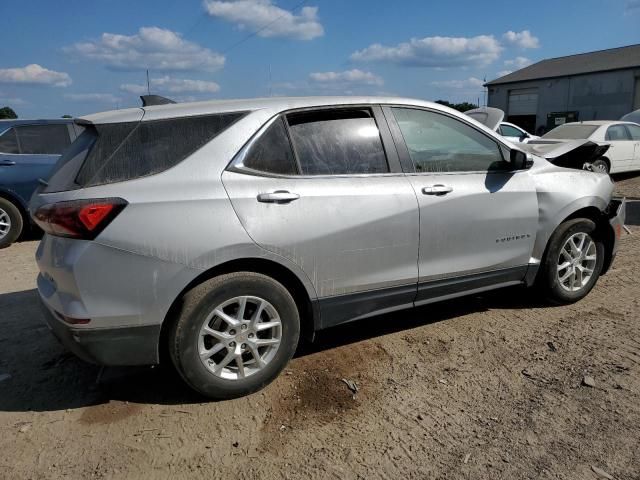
271,152
125,151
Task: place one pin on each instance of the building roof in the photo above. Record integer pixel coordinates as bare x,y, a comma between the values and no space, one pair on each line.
600,61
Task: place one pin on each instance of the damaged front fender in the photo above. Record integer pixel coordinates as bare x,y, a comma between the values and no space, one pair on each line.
571,154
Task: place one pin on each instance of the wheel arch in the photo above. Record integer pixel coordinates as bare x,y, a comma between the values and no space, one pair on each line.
19,203
308,309
603,230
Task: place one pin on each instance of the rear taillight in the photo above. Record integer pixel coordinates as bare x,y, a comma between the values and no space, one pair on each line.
83,219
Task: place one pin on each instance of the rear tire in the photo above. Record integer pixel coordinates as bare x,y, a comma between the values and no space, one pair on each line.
10,223
572,263
599,165
223,353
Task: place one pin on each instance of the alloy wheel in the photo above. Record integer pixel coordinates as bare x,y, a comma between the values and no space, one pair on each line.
5,223
576,262
240,337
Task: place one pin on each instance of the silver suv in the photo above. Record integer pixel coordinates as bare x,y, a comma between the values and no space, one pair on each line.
222,232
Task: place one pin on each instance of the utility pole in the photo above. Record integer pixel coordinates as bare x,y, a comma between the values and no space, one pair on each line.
148,88
484,90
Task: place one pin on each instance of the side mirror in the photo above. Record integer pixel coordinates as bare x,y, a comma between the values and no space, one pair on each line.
519,160
524,136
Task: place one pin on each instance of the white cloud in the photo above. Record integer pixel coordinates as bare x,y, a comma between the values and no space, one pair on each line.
503,73
151,48
348,77
435,52
34,74
518,62
471,83
267,19
522,39
92,97
168,84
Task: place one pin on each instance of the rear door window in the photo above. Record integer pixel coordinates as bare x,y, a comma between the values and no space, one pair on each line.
617,133
125,151
43,139
634,131
337,142
9,142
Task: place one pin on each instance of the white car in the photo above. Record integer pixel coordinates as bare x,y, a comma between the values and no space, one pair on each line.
492,118
514,133
623,139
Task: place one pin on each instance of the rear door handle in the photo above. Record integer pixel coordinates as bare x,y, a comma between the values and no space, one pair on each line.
438,189
279,196
7,163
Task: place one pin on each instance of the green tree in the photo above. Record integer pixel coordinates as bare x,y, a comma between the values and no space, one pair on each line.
7,112
461,107
66,116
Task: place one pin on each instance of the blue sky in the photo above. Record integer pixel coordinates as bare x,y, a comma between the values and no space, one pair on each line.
77,56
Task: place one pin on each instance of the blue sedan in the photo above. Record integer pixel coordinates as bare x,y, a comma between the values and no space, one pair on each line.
29,149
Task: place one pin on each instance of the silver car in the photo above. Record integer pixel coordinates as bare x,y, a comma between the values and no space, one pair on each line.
222,232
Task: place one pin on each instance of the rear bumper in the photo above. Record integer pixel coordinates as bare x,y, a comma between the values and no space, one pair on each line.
107,346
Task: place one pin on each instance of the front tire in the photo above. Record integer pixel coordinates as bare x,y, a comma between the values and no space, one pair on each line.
10,223
572,263
234,334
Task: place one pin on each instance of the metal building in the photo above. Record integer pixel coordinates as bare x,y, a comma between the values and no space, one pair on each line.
602,85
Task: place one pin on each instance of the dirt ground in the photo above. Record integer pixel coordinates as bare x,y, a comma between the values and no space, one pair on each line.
485,387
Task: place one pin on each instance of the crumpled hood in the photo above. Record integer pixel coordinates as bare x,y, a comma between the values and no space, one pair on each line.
566,153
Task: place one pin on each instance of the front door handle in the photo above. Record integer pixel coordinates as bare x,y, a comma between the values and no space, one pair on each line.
438,189
7,163
279,196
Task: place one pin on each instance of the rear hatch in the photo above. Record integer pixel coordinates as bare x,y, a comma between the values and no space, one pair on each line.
116,147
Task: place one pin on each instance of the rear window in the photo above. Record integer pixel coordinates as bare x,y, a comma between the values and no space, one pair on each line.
571,132
125,151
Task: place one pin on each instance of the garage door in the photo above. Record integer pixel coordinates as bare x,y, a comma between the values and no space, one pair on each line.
523,101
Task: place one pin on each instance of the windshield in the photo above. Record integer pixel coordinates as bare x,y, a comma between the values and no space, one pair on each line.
571,131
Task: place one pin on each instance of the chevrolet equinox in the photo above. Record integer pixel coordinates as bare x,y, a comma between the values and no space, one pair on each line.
222,232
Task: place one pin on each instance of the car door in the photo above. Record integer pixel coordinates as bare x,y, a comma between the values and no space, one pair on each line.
322,189
634,132
478,217
39,147
621,150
